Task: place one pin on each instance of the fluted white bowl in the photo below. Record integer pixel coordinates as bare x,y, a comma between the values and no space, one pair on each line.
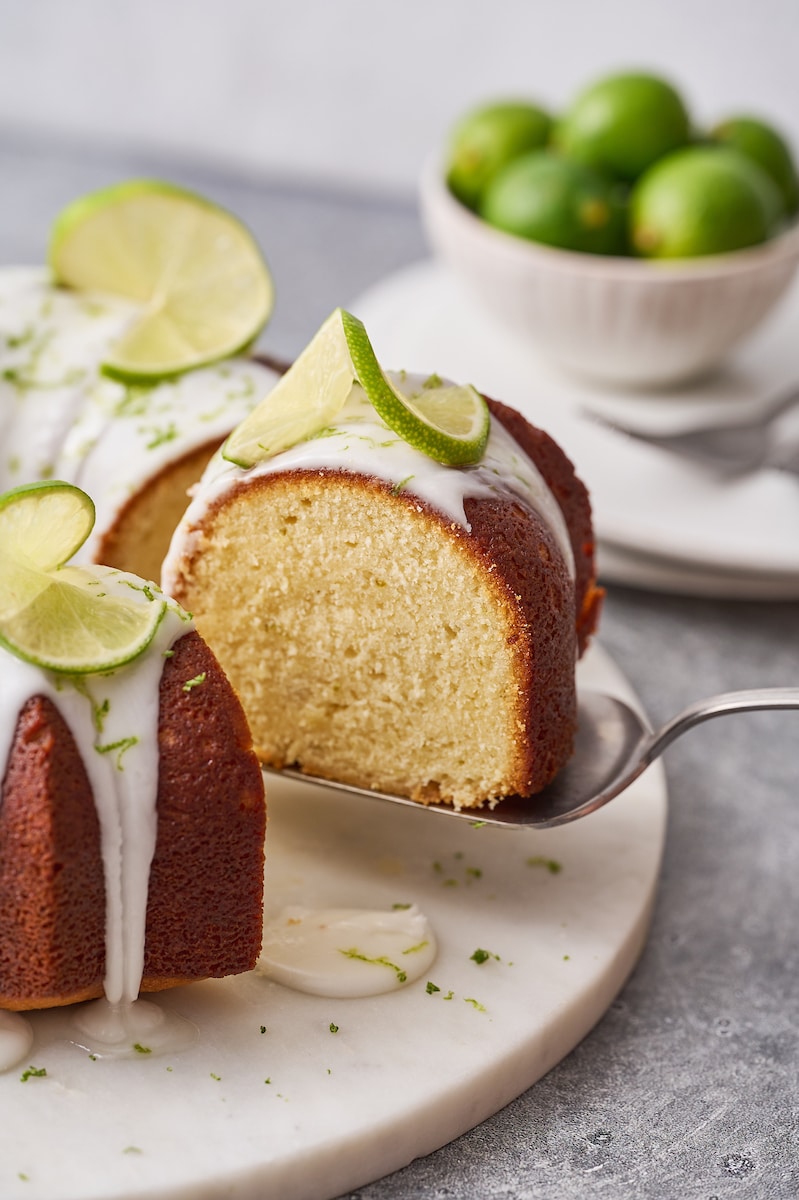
615,320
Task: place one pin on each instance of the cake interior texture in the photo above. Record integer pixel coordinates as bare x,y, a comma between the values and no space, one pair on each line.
375,642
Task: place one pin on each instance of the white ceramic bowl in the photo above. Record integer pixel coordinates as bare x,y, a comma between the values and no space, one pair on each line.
613,320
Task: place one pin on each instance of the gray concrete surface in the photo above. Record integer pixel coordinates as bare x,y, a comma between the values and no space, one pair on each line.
688,1087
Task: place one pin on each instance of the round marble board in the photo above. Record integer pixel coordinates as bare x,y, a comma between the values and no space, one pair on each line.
293,1096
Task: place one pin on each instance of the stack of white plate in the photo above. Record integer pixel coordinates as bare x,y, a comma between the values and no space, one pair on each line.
662,522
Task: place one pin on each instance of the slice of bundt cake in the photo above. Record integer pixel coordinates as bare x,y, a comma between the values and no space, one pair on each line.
131,826
392,622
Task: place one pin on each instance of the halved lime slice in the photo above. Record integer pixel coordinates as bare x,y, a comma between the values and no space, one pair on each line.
447,422
305,400
44,524
70,619
79,621
196,273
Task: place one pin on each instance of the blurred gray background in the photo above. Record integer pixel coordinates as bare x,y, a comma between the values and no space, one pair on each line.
358,92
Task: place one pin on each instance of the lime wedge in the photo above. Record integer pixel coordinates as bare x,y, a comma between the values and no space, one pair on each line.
305,400
68,619
44,524
195,273
447,422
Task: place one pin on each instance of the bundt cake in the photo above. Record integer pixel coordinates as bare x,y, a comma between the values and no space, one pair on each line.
131,826
391,622
135,450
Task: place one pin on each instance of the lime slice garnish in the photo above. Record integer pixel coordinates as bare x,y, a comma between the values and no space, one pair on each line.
44,524
304,401
69,619
200,283
447,422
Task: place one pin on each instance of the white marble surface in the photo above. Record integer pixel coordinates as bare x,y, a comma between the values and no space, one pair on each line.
358,92
300,1111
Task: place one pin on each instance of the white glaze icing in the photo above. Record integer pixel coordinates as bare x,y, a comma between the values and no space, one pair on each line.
60,418
361,443
130,1029
349,952
113,719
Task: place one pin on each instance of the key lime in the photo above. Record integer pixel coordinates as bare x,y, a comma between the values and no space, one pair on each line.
195,275
549,199
623,123
487,138
767,147
702,200
65,618
448,423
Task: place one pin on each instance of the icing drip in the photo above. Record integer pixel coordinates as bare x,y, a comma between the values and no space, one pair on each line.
130,1029
360,442
113,719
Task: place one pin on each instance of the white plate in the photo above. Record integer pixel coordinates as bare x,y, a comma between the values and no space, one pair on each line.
644,499
405,1072
617,565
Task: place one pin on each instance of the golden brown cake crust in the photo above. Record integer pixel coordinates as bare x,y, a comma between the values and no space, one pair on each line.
572,496
52,895
523,554
205,910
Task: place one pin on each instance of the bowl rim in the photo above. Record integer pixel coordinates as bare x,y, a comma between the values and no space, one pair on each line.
433,192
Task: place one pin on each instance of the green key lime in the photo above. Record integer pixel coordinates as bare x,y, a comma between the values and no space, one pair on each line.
486,139
549,199
702,200
765,146
448,423
623,123
67,619
201,288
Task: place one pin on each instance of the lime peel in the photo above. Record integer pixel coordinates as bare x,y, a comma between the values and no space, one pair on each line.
447,422
64,618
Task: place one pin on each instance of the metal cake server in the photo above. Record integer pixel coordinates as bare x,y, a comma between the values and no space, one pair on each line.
614,745
745,444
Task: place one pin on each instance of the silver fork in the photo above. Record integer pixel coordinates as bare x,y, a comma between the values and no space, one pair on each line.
746,444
